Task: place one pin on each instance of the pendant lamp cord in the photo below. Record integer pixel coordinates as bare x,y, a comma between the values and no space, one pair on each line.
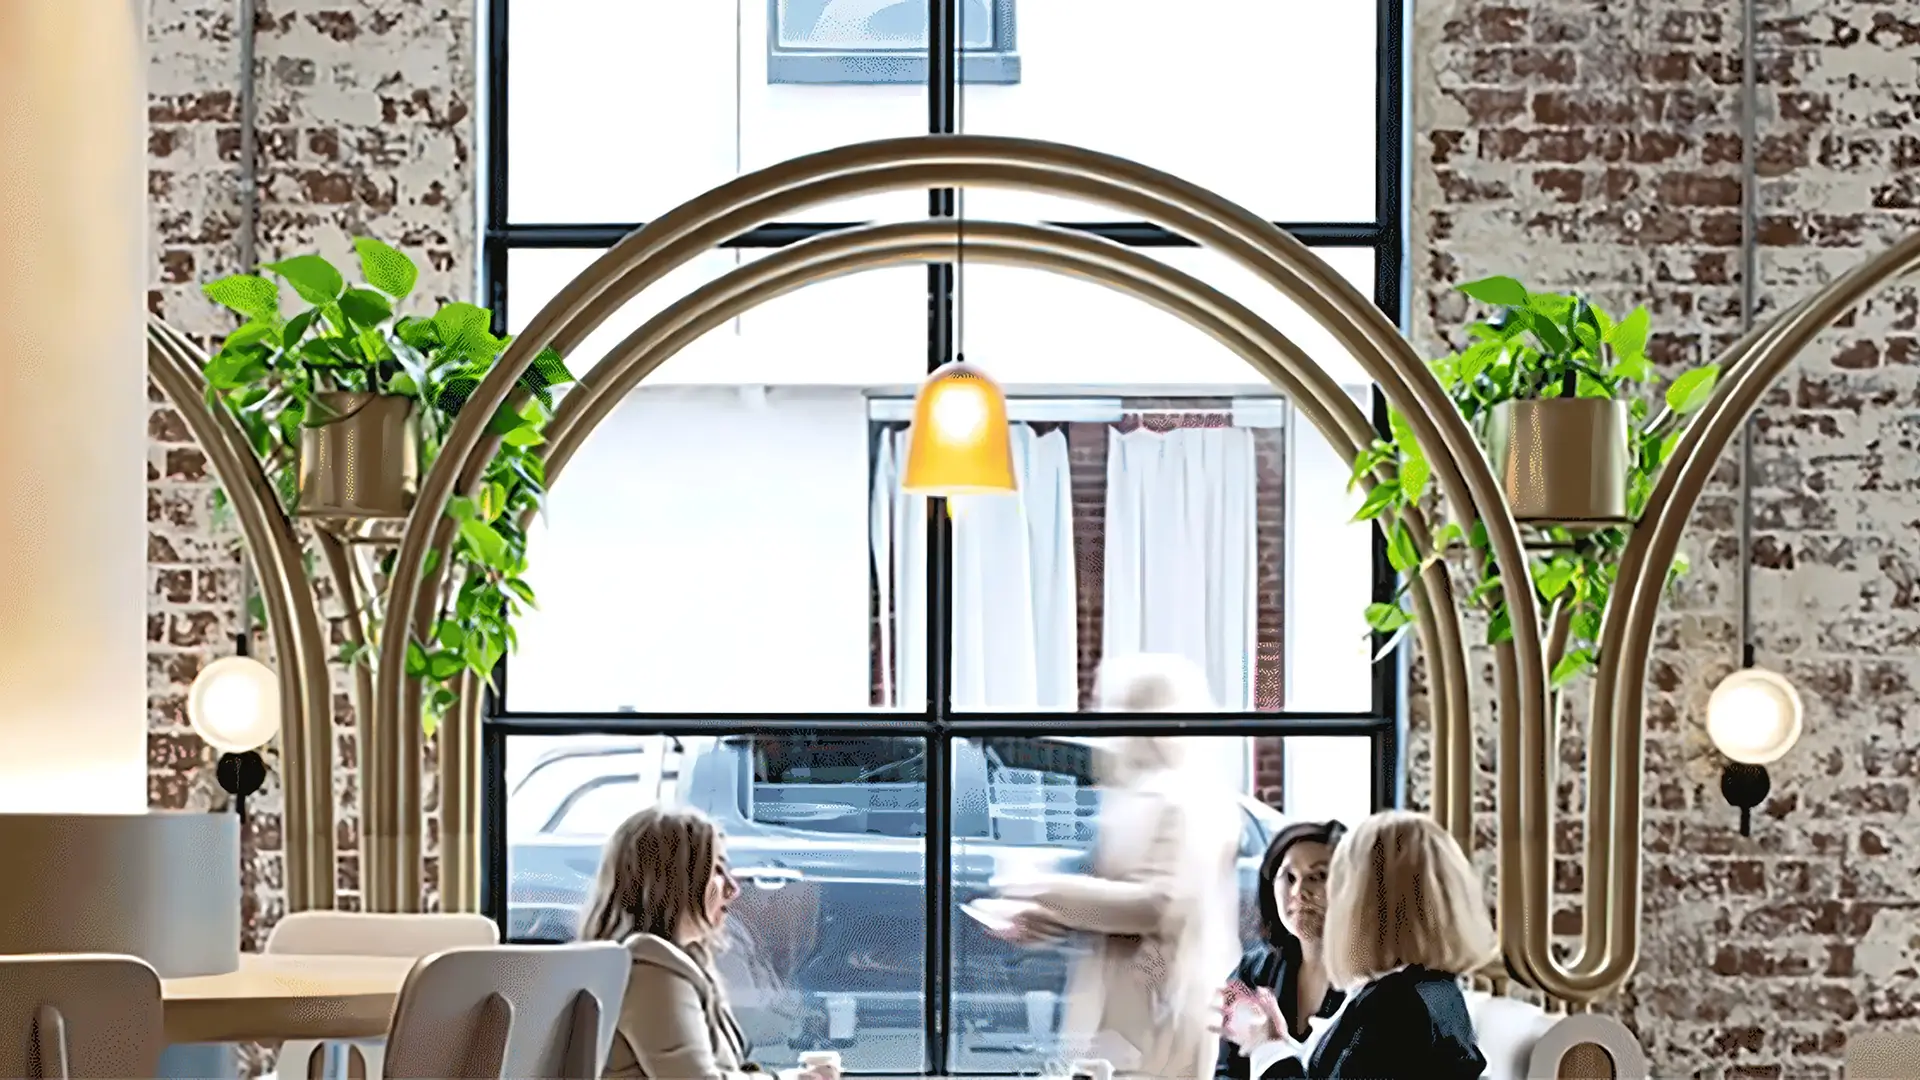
1749,303
960,195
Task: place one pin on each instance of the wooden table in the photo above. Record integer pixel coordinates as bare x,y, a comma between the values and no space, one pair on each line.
275,998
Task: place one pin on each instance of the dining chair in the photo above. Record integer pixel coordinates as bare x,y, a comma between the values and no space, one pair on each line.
509,1010
354,933
1883,1055
72,1016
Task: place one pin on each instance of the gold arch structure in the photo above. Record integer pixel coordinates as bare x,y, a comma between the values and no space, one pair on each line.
391,740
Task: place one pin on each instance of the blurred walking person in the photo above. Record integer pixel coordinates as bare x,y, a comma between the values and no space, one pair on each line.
1161,902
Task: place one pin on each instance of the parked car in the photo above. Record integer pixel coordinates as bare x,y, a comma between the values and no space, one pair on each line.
827,838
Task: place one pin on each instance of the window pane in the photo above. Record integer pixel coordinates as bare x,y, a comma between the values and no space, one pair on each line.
708,549
866,330
619,111
826,941
1026,806
1329,579
1270,104
1324,777
1031,328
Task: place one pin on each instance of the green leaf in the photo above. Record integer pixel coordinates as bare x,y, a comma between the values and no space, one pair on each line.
384,268
463,331
453,394
492,500
1634,368
233,370
1550,336
249,294
1386,618
1378,500
1414,470
1693,389
1500,627
313,277
523,436
1572,664
250,335
1451,533
1401,550
1629,336
1475,360
449,634
444,665
416,660
1366,461
462,508
1553,578
365,308
521,589
1499,291
548,369
487,543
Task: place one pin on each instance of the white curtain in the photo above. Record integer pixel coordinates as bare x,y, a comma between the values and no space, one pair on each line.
1181,552
1014,594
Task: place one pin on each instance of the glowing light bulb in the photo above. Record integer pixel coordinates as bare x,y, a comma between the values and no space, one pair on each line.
1754,716
234,704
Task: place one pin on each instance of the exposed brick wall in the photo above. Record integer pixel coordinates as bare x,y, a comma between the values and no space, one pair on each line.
1595,144
365,127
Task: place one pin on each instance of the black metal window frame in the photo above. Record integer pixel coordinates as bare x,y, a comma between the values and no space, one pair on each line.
1383,724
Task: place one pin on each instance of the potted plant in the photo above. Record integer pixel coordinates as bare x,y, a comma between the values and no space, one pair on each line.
1557,392
345,401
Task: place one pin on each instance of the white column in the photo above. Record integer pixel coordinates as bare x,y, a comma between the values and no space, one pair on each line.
73,238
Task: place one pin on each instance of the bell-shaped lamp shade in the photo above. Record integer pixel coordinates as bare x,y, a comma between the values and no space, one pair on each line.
959,444
1754,716
234,704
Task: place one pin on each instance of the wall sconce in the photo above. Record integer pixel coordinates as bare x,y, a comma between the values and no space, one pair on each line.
1754,717
234,705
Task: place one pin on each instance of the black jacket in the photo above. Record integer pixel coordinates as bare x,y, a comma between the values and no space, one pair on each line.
1410,1025
1276,969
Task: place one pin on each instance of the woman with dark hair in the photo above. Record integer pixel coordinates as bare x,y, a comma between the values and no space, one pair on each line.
1282,981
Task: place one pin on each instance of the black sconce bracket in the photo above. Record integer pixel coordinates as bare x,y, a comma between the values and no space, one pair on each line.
1745,786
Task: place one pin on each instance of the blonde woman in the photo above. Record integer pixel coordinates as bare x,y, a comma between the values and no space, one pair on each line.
663,891
1160,907
1406,918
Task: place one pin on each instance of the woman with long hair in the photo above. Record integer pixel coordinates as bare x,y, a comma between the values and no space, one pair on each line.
1282,979
663,891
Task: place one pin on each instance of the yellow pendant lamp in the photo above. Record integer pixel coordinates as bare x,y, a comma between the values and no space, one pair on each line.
959,444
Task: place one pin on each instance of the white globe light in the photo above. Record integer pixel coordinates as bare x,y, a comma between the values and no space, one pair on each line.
234,704
1754,716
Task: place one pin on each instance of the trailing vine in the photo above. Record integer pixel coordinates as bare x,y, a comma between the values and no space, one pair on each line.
1534,346
269,372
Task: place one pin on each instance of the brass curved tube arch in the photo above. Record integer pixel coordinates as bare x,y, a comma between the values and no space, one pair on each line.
175,365
1255,340
645,256
1749,369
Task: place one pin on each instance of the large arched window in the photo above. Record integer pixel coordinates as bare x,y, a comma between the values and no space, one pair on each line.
884,703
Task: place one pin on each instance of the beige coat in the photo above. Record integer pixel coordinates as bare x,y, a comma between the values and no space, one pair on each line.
1162,903
674,1023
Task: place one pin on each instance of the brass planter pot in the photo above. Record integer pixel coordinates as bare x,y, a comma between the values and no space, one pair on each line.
1562,461
363,462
